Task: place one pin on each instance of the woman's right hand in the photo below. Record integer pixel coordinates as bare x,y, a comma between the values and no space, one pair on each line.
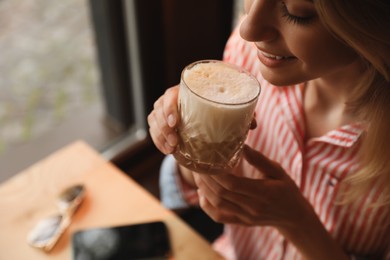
163,120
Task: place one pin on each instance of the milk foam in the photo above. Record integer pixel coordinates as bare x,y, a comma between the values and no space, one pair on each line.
221,83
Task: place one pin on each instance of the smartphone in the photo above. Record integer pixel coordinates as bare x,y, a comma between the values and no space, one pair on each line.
137,241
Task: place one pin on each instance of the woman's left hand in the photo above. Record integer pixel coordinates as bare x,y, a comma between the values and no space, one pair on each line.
274,200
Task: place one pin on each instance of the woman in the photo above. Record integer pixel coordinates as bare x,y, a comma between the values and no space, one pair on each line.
314,181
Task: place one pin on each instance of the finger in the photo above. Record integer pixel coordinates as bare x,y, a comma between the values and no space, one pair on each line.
253,123
251,198
218,196
221,187
162,125
161,145
217,214
159,122
240,186
268,167
159,139
170,106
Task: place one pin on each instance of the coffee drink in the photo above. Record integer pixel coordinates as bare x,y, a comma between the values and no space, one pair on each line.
216,105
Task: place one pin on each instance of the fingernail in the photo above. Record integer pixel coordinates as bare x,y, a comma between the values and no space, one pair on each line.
171,120
196,179
172,139
202,198
168,148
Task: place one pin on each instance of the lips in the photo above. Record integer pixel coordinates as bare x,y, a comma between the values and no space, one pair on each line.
275,57
274,61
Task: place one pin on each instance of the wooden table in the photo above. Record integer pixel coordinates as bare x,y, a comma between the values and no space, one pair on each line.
112,198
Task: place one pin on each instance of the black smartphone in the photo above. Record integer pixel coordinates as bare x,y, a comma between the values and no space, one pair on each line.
137,241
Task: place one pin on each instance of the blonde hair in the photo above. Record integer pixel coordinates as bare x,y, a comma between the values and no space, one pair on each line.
364,25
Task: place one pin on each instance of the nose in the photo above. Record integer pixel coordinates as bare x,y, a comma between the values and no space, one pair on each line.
259,24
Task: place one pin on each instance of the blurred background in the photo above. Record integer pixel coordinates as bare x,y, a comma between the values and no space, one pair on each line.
48,74
48,67
92,69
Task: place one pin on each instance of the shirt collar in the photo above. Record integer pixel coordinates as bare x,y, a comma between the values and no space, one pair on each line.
345,136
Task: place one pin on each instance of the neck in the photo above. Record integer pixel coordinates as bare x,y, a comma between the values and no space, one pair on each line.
326,98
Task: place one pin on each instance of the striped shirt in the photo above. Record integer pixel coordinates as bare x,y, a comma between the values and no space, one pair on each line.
317,166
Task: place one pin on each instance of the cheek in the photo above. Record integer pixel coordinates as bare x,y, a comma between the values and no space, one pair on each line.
340,53
323,52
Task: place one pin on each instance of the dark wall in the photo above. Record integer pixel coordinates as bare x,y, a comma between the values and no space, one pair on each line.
172,33
195,29
175,33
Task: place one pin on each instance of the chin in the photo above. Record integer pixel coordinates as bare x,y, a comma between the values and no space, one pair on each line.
281,79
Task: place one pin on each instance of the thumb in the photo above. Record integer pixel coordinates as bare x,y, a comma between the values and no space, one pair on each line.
253,124
268,167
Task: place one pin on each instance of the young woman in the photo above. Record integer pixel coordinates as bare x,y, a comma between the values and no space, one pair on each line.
315,176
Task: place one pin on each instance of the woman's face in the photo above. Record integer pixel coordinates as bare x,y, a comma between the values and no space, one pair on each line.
293,46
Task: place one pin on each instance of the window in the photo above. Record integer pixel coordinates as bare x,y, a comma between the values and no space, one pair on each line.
49,81
123,55
143,47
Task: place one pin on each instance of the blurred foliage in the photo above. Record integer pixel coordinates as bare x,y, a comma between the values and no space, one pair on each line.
48,68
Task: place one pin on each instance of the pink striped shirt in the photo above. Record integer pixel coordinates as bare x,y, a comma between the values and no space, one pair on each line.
317,166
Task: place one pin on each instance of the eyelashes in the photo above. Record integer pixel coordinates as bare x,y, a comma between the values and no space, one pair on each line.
295,19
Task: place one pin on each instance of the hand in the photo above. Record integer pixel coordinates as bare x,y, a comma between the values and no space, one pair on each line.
163,120
274,200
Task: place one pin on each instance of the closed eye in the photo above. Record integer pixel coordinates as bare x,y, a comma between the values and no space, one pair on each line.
294,18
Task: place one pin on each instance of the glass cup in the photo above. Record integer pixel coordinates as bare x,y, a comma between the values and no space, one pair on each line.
216,105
